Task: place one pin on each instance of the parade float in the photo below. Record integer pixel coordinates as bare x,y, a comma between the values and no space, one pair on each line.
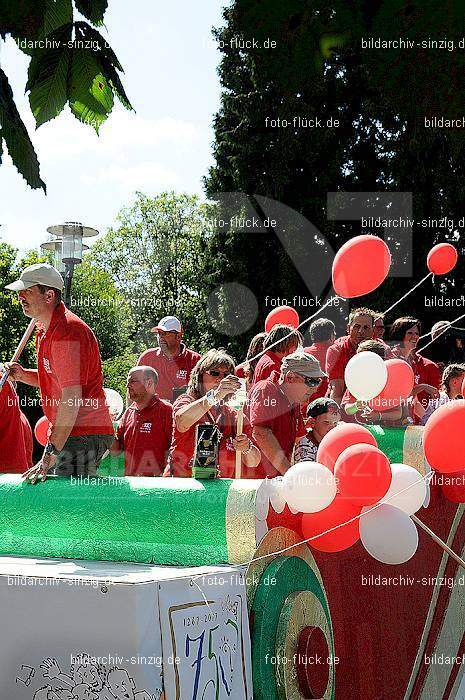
344,579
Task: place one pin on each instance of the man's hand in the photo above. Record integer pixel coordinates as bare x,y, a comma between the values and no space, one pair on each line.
228,385
39,470
16,371
241,443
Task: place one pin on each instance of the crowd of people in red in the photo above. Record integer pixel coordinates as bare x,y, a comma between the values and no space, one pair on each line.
294,394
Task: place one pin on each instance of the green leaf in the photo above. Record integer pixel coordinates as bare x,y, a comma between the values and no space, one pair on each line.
48,76
93,10
57,14
90,97
16,137
107,59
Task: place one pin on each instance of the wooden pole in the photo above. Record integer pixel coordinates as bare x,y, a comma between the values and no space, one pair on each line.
21,345
438,541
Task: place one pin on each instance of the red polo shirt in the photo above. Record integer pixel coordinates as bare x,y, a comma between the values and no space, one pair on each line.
15,433
68,355
268,363
183,444
337,357
145,437
319,351
173,372
270,408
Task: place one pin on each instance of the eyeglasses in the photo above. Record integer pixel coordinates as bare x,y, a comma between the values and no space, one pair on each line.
312,381
217,373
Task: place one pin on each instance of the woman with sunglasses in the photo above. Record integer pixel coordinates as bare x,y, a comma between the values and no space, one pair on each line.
211,385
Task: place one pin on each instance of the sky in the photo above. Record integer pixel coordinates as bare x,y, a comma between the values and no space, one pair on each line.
170,61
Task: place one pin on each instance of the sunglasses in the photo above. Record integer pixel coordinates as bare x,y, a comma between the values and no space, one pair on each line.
217,373
312,381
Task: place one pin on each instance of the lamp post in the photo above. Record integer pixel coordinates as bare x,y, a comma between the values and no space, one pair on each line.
68,249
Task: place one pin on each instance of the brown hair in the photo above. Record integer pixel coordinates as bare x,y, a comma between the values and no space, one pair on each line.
255,348
362,311
211,360
286,334
43,289
451,372
400,327
373,345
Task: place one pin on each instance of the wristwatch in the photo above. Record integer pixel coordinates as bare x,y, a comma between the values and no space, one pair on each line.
50,449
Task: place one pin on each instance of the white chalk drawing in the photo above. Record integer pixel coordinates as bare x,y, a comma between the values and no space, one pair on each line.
85,680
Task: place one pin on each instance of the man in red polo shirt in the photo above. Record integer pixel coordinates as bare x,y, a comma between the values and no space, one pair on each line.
280,341
360,328
172,360
69,376
323,334
144,431
275,414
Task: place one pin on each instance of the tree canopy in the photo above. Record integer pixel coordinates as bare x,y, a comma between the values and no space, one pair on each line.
321,69
70,63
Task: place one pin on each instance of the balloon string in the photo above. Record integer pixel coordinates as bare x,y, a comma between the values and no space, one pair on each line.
444,330
409,292
262,352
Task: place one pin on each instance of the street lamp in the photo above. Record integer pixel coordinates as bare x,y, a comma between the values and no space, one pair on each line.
68,249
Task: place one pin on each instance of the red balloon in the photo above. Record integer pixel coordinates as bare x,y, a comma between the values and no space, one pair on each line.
41,430
443,437
453,487
399,385
360,266
338,439
363,474
442,259
339,511
285,315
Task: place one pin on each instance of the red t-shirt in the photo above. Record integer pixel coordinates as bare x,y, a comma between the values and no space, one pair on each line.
268,363
145,437
337,357
425,372
15,453
173,372
319,351
270,408
183,444
68,355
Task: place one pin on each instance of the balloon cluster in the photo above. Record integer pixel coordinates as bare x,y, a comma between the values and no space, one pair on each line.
353,493
383,384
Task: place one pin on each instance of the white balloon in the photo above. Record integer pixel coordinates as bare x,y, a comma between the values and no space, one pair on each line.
115,403
365,375
407,490
309,487
388,534
277,496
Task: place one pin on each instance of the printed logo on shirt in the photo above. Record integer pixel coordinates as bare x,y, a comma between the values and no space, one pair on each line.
181,374
47,367
146,428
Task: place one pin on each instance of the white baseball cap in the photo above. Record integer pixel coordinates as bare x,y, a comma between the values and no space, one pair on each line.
41,273
168,323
